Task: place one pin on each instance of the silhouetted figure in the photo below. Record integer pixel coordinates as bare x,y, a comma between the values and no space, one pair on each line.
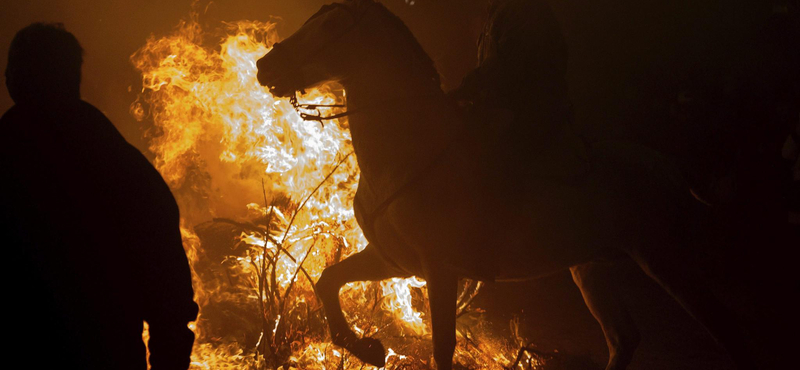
522,71
90,229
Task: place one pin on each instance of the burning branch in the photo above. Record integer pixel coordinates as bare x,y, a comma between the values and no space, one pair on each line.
534,357
272,303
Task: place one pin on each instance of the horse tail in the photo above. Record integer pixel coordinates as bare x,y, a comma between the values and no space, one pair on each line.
699,198
640,166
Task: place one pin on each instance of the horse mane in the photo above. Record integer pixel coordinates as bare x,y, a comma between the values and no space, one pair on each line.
421,62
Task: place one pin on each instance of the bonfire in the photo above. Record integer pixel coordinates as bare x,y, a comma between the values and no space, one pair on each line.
266,202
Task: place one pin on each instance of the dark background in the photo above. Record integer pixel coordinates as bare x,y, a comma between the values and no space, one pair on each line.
621,51
110,31
630,61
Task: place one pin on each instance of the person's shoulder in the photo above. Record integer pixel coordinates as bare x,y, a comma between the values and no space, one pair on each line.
18,113
10,113
19,123
8,123
121,154
96,126
125,153
92,113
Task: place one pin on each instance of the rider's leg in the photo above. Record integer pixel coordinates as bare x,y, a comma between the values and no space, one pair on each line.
366,265
603,300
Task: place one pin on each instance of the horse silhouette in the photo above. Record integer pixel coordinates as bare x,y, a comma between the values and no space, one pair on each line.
435,199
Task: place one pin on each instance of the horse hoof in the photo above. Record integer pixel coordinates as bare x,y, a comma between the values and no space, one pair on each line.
370,350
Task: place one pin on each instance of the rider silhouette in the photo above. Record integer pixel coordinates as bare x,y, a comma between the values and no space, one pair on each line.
521,72
92,241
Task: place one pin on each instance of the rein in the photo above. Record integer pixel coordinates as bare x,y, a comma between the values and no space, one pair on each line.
298,107
317,116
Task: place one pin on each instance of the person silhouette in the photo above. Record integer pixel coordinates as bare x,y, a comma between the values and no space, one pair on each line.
91,229
520,82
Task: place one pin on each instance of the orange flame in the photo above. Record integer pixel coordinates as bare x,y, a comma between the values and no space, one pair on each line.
224,144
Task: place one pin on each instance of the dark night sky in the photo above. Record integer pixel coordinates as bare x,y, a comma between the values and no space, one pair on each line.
110,31
626,57
620,51
614,43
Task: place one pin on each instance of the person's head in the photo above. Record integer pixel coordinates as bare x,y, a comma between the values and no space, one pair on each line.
44,64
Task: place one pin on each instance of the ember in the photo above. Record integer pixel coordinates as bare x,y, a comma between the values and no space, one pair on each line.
228,148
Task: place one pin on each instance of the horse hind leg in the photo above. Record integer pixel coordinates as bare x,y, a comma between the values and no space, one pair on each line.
603,300
683,281
366,265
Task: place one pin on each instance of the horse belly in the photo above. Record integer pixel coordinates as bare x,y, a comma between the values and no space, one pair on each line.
463,217
557,224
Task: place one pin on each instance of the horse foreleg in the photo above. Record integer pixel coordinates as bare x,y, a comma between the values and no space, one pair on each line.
366,265
442,292
622,335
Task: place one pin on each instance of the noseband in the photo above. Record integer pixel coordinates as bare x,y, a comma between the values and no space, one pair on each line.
300,107
292,64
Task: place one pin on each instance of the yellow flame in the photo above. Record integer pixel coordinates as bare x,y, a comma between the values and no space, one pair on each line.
225,146
398,292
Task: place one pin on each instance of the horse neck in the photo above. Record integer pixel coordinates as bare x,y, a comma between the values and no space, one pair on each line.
398,101
394,69
401,118
389,87
400,123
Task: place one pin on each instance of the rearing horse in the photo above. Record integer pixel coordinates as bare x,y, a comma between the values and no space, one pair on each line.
434,200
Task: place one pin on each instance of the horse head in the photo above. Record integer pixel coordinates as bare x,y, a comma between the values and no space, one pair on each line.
320,51
356,42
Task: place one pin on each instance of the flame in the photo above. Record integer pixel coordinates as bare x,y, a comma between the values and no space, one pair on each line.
228,148
400,300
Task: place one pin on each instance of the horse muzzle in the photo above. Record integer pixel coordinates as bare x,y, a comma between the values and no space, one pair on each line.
278,74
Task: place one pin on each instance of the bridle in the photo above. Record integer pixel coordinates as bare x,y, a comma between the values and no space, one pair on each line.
299,107
303,108
317,116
